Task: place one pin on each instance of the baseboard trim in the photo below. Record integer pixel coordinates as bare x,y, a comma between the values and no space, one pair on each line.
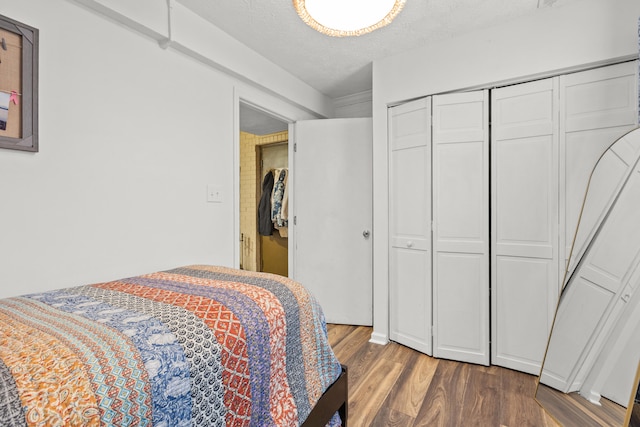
377,338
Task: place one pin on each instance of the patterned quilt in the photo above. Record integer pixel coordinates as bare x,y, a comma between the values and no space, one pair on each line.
198,345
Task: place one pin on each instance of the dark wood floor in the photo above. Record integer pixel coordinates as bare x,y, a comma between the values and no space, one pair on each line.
573,410
393,385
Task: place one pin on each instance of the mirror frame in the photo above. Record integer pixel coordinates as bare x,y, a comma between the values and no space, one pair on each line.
636,384
634,404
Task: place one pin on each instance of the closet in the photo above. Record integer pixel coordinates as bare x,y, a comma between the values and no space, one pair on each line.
439,226
274,243
484,196
261,152
546,138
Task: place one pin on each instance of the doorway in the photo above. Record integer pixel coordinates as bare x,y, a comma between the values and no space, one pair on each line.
273,256
263,150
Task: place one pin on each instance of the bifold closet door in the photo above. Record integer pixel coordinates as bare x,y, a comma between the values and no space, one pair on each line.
524,220
597,107
460,198
410,301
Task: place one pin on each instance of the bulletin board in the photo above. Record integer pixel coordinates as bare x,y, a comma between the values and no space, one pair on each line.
18,85
11,81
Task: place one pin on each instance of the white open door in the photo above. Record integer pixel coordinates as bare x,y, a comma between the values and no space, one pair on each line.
333,216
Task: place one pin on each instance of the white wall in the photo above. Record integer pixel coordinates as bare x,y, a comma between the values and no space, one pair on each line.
130,135
351,106
172,24
550,41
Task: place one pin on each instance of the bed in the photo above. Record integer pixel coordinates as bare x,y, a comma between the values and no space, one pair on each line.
197,345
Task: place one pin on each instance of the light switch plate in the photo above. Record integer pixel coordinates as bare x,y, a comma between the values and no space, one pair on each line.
214,194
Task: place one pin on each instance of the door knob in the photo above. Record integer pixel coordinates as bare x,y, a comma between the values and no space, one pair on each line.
366,234
409,244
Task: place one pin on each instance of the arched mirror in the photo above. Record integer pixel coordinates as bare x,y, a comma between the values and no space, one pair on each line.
589,375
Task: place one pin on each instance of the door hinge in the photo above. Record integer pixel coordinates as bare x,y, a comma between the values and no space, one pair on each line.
295,220
295,147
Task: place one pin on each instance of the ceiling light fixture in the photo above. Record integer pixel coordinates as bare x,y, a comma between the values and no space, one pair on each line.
345,18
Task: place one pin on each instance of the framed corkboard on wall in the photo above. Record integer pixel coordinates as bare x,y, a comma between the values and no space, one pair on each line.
18,85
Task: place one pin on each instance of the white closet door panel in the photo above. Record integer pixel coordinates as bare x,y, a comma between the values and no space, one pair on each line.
612,379
521,293
410,202
410,123
600,98
460,328
619,241
525,180
410,299
567,341
459,206
461,246
460,227
524,110
605,280
524,222
598,106
524,249
459,117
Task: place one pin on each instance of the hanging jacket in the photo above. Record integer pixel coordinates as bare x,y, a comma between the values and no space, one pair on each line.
265,225
276,198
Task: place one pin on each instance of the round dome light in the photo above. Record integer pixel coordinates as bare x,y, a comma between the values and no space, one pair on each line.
343,18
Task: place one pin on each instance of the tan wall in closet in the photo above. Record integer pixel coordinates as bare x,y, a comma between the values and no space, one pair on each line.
249,184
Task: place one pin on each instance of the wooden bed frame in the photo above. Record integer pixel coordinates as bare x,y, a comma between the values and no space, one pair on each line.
333,400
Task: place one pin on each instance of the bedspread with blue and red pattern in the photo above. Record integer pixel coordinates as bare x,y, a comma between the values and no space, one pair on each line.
197,345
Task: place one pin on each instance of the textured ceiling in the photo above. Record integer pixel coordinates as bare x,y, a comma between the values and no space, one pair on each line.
342,66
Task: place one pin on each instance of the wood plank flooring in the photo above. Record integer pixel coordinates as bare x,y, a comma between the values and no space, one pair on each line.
573,410
393,385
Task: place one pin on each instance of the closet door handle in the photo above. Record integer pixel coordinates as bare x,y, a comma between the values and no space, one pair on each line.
409,244
366,234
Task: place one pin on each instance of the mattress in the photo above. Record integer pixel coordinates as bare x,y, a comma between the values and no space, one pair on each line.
197,345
